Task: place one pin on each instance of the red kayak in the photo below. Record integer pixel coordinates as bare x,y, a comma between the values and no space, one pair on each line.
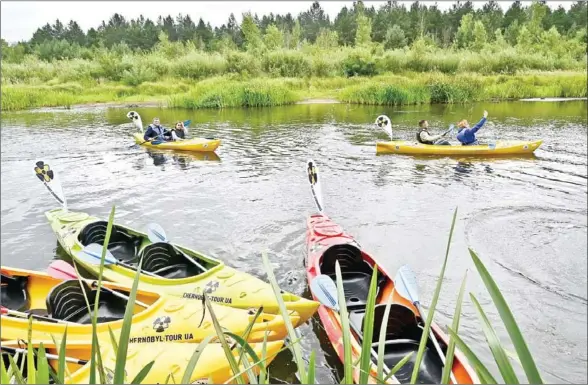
326,243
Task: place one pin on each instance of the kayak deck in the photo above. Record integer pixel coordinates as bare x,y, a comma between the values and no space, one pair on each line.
498,148
327,244
196,144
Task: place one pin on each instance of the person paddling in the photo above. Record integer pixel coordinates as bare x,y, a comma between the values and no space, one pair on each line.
425,137
467,135
156,131
179,131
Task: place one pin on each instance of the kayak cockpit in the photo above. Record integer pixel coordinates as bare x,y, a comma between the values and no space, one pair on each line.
161,258
403,328
14,294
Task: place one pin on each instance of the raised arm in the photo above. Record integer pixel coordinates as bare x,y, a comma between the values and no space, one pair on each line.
479,125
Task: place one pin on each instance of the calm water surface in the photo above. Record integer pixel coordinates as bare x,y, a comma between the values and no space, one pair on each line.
526,217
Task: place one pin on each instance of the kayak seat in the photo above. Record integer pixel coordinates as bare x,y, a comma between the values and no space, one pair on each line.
122,245
356,287
163,259
66,302
403,336
14,292
349,257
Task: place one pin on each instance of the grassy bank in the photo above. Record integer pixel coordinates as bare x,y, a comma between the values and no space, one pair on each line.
241,91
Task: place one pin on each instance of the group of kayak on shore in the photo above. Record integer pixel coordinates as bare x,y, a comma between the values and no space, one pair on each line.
155,131
465,135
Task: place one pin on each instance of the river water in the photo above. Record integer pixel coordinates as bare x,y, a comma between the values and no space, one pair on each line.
526,217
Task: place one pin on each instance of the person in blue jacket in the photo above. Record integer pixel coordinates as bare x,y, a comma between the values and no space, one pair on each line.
156,131
467,135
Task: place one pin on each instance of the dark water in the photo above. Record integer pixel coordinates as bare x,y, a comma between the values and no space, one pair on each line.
526,217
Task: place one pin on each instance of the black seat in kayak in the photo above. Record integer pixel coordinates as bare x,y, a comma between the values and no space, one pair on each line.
403,335
14,292
122,245
163,259
66,302
356,273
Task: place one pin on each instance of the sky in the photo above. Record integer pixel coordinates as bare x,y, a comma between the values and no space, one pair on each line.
19,20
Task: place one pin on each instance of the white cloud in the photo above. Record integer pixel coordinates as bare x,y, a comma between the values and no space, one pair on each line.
21,19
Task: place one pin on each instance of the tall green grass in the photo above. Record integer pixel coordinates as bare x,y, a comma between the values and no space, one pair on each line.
248,360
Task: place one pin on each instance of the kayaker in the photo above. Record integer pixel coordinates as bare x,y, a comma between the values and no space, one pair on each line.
179,131
425,137
156,130
467,135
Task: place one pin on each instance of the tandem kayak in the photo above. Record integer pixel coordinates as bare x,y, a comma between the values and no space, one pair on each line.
168,359
327,244
57,305
504,147
169,268
197,144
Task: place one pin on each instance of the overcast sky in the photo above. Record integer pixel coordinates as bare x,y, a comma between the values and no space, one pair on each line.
21,19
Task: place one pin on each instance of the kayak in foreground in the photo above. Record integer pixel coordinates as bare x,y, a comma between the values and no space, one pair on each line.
503,147
166,268
326,244
169,359
196,144
56,304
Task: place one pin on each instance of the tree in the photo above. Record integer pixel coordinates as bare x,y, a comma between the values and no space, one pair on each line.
251,33
395,37
525,39
512,33
345,26
327,39
465,32
364,30
312,21
42,34
491,16
516,12
204,34
274,38
74,34
296,35
479,36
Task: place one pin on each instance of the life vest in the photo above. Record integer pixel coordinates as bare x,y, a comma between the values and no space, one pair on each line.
420,140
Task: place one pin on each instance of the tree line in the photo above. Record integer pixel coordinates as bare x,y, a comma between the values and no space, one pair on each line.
393,25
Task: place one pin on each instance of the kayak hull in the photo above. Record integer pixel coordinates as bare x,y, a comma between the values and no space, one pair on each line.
498,148
168,358
323,237
225,285
197,144
183,316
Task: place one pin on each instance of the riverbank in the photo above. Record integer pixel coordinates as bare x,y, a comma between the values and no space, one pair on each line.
237,91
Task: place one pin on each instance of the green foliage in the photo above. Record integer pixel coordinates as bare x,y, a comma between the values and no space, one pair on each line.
395,37
273,38
253,41
286,64
364,30
359,63
479,36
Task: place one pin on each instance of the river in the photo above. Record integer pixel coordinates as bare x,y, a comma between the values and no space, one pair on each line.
525,216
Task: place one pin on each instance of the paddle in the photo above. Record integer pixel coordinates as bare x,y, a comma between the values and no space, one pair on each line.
325,291
50,180
383,122
406,285
48,355
156,233
63,270
315,186
7,311
92,254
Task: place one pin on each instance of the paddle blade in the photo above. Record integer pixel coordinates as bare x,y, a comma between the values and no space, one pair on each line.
136,119
61,270
155,233
92,254
383,122
49,178
315,186
325,291
187,122
406,284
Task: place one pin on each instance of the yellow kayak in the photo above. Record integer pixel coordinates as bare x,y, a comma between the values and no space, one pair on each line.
61,303
503,147
171,269
170,359
196,144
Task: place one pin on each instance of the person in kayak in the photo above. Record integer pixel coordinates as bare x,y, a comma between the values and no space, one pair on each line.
179,131
425,137
156,131
467,135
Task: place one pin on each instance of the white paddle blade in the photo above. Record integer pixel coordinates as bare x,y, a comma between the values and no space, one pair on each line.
315,186
136,119
383,122
92,254
50,179
406,284
325,291
156,233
